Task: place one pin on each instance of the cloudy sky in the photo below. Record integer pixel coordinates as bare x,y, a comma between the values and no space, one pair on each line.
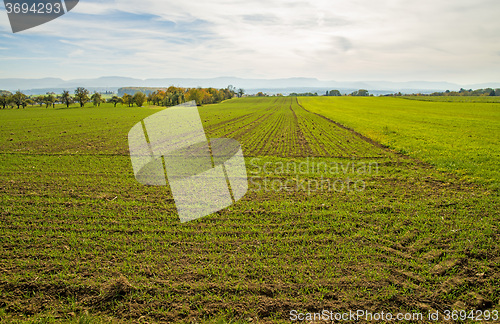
344,40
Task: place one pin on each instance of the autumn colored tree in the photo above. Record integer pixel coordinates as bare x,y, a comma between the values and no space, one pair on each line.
150,97
157,97
173,96
139,98
228,92
127,100
195,94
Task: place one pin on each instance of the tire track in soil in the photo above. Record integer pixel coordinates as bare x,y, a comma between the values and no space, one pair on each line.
302,140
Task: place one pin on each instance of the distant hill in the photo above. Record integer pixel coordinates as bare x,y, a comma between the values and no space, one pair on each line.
113,83
133,90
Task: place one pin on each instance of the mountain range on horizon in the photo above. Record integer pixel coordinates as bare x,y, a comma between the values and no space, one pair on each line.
115,82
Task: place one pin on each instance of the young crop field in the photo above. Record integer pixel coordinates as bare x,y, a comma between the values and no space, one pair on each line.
280,127
332,219
459,134
469,99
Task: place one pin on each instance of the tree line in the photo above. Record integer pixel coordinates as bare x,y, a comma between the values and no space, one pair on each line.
333,93
463,92
203,96
162,97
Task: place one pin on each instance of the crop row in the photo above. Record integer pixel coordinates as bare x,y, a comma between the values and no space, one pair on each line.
281,127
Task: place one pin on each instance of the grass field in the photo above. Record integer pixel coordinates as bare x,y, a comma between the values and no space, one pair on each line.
82,242
459,134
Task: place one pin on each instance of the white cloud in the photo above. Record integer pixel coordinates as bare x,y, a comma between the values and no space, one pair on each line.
345,40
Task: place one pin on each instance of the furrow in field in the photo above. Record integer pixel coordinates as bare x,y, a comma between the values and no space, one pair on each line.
369,141
283,128
330,140
236,122
305,148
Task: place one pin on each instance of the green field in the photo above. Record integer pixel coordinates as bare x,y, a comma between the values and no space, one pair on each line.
82,242
460,134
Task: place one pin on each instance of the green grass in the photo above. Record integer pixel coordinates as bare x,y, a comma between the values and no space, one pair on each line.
460,136
74,130
78,234
467,99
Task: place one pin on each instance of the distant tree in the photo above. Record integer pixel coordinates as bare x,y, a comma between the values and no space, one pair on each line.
363,93
40,100
158,97
261,94
334,93
241,92
181,98
175,96
231,90
492,93
19,99
66,98
151,96
115,100
127,100
360,93
196,95
215,95
96,99
139,99
49,100
4,100
82,96
208,98
305,94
